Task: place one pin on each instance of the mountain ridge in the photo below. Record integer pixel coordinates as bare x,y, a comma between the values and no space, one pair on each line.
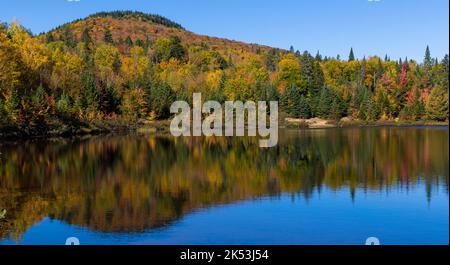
140,26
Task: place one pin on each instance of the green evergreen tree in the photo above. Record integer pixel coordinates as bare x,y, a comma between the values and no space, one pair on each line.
291,49
303,109
50,38
312,73
117,64
373,111
39,98
367,107
318,57
90,95
427,62
351,56
271,93
176,49
86,37
443,78
107,36
418,106
140,43
161,98
63,104
271,60
67,37
337,108
128,41
324,103
294,96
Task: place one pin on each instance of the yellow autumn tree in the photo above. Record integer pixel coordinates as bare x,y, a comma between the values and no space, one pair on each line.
107,61
290,72
34,54
10,79
134,104
136,65
67,68
10,72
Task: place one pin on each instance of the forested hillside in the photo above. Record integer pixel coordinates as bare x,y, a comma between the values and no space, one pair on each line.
129,65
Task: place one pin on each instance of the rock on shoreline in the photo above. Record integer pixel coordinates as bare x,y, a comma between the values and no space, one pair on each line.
318,123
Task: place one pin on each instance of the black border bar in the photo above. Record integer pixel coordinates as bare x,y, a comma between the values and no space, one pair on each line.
172,254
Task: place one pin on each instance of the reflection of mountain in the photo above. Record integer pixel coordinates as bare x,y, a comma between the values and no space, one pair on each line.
132,183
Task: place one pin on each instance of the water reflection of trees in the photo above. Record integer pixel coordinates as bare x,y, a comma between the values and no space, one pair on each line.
133,183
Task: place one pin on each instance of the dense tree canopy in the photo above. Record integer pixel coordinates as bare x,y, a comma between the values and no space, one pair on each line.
78,77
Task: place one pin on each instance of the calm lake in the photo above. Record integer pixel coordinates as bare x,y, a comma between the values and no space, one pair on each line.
334,186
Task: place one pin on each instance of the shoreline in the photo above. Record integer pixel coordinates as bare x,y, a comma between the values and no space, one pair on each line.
317,123
162,127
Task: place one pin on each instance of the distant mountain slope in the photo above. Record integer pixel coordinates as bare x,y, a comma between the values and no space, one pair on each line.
140,26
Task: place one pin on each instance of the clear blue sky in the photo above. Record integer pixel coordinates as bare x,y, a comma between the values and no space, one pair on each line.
397,27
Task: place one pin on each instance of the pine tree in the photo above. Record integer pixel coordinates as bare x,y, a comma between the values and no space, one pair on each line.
86,37
365,106
380,71
272,93
296,103
338,106
90,94
39,97
140,43
293,101
68,37
303,108
107,37
324,103
161,97
307,70
50,38
351,57
270,60
63,104
427,62
128,41
334,110
445,72
318,80
373,111
291,49
116,64
318,57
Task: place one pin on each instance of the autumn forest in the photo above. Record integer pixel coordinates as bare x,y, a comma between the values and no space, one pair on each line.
128,66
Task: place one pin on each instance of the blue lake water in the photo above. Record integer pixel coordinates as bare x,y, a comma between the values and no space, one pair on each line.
316,187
